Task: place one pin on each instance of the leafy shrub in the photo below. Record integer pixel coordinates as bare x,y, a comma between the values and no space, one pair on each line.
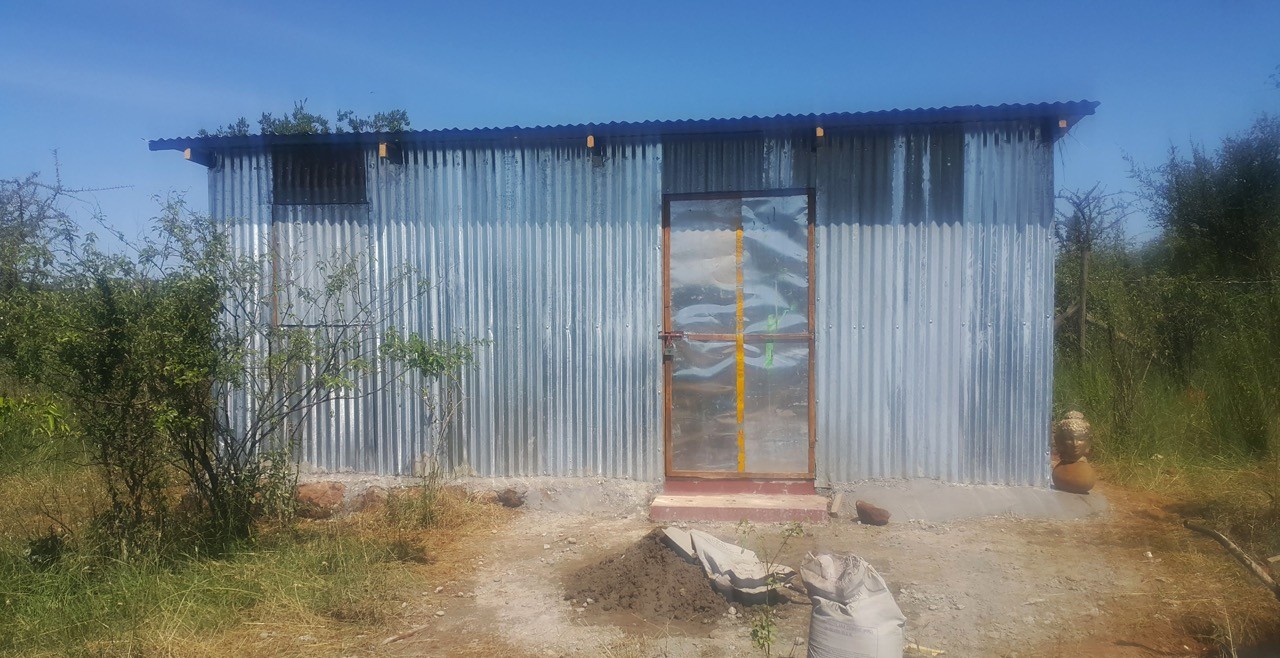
31,428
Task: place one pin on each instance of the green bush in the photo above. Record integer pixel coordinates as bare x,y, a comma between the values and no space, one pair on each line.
33,428
1169,377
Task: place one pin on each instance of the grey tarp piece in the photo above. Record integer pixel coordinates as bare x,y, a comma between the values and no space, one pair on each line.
681,542
854,614
735,572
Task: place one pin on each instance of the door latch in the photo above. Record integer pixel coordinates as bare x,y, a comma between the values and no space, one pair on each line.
669,339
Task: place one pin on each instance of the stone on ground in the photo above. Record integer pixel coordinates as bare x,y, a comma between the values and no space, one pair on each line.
870,514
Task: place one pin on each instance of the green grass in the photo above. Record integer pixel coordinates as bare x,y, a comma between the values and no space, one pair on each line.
297,583
1207,437
257,598
336,583
1153,418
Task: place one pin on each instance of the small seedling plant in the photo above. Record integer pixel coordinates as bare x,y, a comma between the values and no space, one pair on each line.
764,625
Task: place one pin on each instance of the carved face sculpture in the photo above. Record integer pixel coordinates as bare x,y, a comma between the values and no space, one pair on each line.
1073,438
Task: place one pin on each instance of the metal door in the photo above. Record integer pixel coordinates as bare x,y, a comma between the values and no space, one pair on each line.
737,334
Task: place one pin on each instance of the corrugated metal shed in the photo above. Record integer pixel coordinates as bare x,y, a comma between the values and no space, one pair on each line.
934,279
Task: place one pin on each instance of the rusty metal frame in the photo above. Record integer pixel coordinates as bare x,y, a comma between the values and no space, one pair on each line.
668,364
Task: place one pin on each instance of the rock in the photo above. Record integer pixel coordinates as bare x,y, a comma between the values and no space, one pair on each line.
319,500
870,514
511,498
370,499
439,613
837,502
1075,477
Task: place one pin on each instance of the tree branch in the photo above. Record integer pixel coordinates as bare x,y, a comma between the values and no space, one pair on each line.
1260,572
1065,315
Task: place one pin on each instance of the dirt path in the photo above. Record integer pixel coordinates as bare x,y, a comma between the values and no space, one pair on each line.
990,587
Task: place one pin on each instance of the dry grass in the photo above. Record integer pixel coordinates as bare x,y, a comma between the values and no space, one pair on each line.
634,647
32,500
1205,592
359,614
327,588
1241,500
1213,599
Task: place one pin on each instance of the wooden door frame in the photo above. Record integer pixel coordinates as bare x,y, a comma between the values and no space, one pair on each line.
668,362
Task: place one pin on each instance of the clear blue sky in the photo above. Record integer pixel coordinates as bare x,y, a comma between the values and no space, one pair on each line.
96,80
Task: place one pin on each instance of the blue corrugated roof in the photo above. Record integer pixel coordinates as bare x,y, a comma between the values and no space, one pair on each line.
1071,111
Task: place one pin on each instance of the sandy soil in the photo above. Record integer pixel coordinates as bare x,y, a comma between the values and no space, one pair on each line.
990,587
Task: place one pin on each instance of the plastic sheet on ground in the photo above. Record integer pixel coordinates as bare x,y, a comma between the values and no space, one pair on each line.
735,572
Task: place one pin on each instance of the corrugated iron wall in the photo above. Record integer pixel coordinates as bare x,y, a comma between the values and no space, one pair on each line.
551,254
935,314
934,263
240,194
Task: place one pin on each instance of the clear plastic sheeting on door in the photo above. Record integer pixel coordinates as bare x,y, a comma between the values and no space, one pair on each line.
739,304
704,271
775,265
704,414
776,422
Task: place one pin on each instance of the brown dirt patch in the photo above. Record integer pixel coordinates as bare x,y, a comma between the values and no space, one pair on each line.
650,580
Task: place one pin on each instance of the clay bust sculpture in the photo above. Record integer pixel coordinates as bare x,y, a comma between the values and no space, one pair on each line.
1073,439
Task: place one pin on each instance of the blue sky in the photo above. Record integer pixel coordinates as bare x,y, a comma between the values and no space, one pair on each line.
96,80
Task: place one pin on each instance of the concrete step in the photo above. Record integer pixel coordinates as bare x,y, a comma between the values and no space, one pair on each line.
698,487
757,508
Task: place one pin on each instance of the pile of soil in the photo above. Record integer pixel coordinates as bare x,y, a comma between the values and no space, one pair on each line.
650,580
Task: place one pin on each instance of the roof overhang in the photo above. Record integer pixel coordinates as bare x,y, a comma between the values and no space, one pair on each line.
1059,116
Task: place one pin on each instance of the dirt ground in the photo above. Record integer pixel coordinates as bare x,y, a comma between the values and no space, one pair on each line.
1130,583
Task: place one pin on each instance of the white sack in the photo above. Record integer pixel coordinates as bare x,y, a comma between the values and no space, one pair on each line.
854,614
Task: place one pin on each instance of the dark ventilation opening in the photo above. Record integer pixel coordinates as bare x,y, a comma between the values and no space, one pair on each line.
314,175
